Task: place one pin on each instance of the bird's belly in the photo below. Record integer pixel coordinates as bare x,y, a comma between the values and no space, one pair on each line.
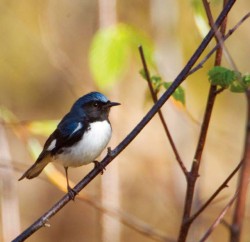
88,148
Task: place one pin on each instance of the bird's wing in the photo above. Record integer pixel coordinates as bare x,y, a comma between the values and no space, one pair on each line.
68,132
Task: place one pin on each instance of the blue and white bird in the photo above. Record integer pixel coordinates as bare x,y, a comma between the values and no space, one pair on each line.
79,138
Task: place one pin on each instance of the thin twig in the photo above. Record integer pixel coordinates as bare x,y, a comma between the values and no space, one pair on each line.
218,35
218,190
229,33
239,211
131,136
164,124
128,220
218,220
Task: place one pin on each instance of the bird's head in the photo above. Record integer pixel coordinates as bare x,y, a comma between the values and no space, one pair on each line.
93,105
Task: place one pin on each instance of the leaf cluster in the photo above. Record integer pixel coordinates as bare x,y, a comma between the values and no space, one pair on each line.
235,81
158,83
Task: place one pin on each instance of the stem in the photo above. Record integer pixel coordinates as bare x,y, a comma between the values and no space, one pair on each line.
194,173
154,97
239,211
219,219
229,33
218,190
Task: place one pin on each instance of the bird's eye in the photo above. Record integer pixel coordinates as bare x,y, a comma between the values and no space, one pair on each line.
95,104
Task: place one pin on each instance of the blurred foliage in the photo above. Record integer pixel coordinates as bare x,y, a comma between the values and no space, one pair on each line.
200,17
44,127
158,83
6,115
111,51
226,78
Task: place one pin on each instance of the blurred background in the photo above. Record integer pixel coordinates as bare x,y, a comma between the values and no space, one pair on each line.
52,52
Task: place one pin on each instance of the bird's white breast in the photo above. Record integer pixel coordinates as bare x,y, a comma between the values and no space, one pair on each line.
94,140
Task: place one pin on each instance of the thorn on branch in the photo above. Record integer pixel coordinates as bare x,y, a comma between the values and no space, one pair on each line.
46,223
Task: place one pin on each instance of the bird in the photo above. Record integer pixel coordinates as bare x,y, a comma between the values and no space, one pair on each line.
79,138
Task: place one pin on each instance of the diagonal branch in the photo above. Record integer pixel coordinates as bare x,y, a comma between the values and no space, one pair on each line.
229,33
131,136
154,97
218,220
218,34
218,190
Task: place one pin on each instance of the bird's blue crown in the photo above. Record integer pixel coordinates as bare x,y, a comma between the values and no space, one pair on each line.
90,97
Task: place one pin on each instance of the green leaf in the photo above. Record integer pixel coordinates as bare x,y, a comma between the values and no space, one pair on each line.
246,79
221,76
6,115
155,80
44,127
238,87
157,83
200,17
179,93
111,51
143,74
233,80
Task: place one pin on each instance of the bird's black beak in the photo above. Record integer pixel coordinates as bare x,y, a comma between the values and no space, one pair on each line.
111,104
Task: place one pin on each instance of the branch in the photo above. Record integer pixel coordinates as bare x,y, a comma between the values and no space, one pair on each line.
219,189
224,38
239,211
131,136
128,220
194,173
218,34
154,97
218,220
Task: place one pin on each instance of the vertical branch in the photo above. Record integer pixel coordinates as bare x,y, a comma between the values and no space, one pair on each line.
154,97
239,211
194,173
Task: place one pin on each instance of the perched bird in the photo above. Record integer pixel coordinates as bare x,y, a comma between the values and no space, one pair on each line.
79,138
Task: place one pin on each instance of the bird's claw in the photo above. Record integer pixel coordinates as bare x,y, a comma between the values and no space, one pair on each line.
72,193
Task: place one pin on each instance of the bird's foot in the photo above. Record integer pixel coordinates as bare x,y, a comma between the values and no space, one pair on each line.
72,193
99,166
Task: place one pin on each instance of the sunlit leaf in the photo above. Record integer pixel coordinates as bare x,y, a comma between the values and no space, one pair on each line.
179,93
246,79
111,51
44,127
200,17
226,78
238,87
221,76
6,115
155,80
34,148
157,83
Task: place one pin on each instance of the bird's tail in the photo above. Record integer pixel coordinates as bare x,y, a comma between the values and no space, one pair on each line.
35,169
